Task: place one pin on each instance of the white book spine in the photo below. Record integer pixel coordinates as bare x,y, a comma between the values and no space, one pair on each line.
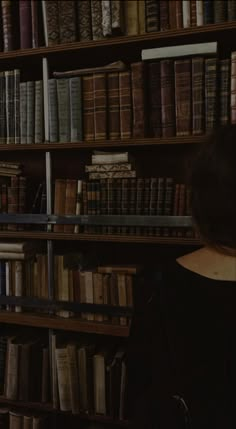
199,9
186,13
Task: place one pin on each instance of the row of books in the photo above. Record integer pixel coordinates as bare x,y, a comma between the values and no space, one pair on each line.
12,419
12,197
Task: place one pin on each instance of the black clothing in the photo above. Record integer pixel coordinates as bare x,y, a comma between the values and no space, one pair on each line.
183,342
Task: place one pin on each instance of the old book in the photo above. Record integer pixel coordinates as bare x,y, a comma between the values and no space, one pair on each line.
70,202
181,50
63,378
179,13
122,299
131,17
117,14
164,15
101,157
113,105
12,361
24,370
18,283
224,69
97,294
25,24
86,292
99,365
100,106
84,20
38,128
233,88
199,12
23,112
59,201
152,16
193,12
86,385
231,12
208,12
76,130
10,121
73,377
2,109
17,105
15,420
88,107
210,93
78,205
138,99
168,202
106,18
53,111
125,105
62,285
27,422
167,101
51,22
63,97
35,23
112,175
220,11
67,21
186,14
30,111
172,14
183,97
3,339
141,17
154,99
100,168
197,95
45,375
7,23
96,13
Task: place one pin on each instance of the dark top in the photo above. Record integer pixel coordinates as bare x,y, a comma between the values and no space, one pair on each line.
183,342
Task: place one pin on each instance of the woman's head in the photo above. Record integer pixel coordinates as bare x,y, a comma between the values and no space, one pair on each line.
214,189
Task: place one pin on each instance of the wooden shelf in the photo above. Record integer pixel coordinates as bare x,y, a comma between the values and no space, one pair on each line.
47,408
88,145
143,40
41,235
71,324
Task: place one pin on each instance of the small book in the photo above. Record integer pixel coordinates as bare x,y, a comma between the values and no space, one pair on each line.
110,157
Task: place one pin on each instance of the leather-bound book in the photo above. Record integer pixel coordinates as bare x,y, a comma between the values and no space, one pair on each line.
138,99
154,99
131,18
106,18
167,98
13,199
113,106
51,22
96,13
179,13
164,15
233,88
152,16
84,20
186,13
70,202
193,12
172,14
208,11
35,23
231,12
67,21
25,24
199,12
141,16
7,24
125,105
224,66
210,93
59,202
100,106
88,107
220,11
183,97
117,17
197,95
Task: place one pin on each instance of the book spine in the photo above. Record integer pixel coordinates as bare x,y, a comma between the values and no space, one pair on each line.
18,283
231,10
53,111
113,106
197,95
208,12
10,122
84,20
2,108
106,18
186,13
167,102
7,24
25,24
193,7
179,14
131,17
164,15
117,13
70,202
17,105
88,107
78,205
154,99
138,99
35,23
233,88
96,12
125,105
52,21
141,16
100,168
67,22
63,97
220,11
100,106
38,131
152,16
30,111
59,202
183,97
23,112
224,66
76,109
172,15
210,93
199,12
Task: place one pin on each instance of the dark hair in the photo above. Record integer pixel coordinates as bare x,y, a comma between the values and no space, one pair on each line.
213,183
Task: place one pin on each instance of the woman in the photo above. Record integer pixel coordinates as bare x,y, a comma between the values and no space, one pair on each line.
182,357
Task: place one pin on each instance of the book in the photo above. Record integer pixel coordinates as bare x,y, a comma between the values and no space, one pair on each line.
100,106
138,99
100,168
113,105
109,157
181,50
25,24
152,16
125,105
111,174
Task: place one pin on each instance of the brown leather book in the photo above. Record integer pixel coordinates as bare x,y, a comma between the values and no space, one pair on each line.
138,99
152,16
172,14
210,93
231,10
96,13
154,99
25,24
141,16
113,106
233,88
84,20
193,13
220,11
164,15
52,22
125,105
59,201
100,106
131,17
7,23
183,97
117,17
224,66
70,202
167,98
179,14
13,199
88,107
197,95
67,21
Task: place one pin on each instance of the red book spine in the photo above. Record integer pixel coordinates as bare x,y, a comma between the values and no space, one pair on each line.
25,24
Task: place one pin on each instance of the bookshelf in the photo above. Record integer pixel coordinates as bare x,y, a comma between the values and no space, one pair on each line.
49,161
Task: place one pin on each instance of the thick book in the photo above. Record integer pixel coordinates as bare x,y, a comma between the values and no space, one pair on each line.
50,10
152,16
233,88
141,17
193,12
117,13
63,99
113,106
198,95
208,11
53,111
138,99
96,13
25,24
109,157
125,105
7,23
224,69
210,93
154,99
186,14
172,14
100,106
167,99
106,18
164,15
220,11
179,13
181,50
67,21
231,11
84,20
70,202
199,12
30,111
62,366
59,201
76,126
88,107
39,125
17,105
10,114
183,97
131,17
